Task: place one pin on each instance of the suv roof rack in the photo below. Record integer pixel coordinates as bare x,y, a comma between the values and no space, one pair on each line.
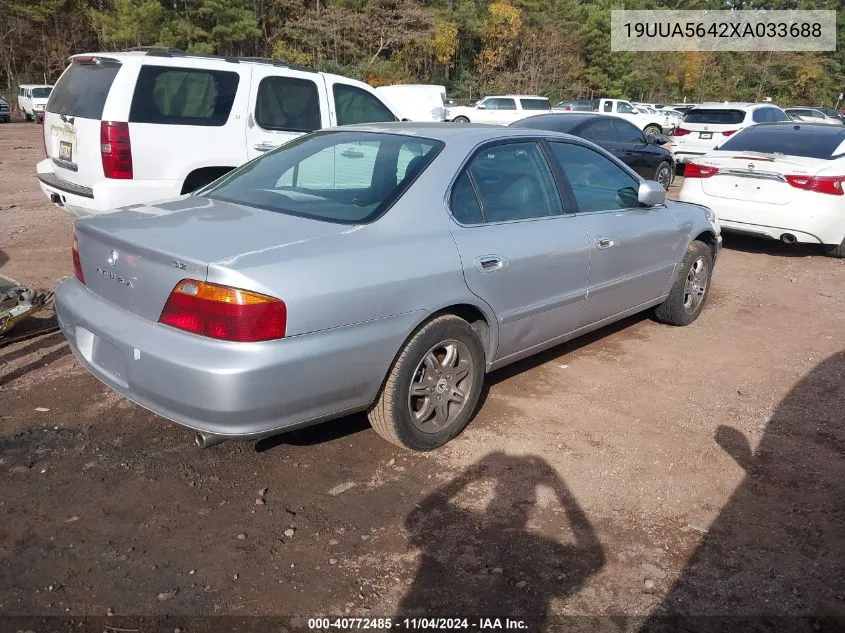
165,51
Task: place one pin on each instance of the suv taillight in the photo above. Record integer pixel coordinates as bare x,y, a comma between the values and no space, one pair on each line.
694,170
729,132
679,131
224,313
77,265
116,149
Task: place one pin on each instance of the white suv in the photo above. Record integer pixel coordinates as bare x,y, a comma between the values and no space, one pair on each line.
138,126
502,110
708,125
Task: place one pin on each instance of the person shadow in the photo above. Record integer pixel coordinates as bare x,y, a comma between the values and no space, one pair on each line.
488,562
774,558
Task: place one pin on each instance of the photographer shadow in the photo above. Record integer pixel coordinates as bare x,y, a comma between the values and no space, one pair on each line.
487,562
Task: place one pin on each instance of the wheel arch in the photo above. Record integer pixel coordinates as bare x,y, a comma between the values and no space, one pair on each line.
709,238
202,176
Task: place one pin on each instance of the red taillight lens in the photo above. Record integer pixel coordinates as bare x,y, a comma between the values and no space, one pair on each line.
116,149
679,131
729,132
220,312
77,265
694,170
831,185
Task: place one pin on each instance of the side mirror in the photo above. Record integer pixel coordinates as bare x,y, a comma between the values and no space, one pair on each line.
651,193
481,106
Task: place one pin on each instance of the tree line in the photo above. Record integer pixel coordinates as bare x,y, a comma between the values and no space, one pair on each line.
556,48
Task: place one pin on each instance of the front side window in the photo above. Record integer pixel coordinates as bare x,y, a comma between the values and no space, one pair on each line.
597,183
343,177
183,96
512,181
288,104
354,105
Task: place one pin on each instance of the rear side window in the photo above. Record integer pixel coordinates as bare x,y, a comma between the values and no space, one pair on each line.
354,105
183,96
288,103
715,117
771,115
810,141
600,131
535,104
83,89
628,133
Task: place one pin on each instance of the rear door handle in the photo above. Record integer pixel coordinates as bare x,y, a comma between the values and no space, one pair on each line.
264,147
489,263
605,242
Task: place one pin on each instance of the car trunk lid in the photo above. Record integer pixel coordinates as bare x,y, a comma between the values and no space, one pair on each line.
133,258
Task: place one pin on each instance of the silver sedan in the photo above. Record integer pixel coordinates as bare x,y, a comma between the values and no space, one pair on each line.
382,268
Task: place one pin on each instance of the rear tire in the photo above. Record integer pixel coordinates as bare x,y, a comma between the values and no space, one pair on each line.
460,119
691,287
837,251
28,117
433,387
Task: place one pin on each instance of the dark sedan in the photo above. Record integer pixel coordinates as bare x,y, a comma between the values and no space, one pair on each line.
621,138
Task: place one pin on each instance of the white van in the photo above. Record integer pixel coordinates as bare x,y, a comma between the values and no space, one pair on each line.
138,126
31,100
416,102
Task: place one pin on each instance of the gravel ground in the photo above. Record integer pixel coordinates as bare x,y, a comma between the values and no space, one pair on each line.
640,471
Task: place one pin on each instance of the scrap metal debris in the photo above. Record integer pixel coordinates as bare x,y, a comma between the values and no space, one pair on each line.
18,302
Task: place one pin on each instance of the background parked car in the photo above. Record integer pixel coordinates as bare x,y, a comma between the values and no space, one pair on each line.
501,110
416,102
239,311
5,111
708,125
134,127
32,98
624,140
813,115
777,180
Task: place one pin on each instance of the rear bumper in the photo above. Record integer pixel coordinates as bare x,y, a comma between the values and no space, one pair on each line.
821,224
223,388
104,196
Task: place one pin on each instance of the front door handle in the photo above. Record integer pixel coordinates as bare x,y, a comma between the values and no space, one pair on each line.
605,242
264,147
489,263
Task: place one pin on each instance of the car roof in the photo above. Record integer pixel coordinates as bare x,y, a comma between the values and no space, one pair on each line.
735,105
516,97
35,86
449,132
577,117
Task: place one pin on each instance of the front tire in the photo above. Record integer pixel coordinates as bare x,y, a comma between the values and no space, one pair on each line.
663,174
690,290
433,387
653,130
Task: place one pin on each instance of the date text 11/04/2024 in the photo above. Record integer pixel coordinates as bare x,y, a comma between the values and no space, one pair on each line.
481,624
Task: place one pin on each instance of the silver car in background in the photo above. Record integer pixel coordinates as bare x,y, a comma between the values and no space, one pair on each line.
381,268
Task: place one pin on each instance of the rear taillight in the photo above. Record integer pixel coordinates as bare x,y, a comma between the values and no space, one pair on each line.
77,265
831,185
225,313
729,132
679,131
44,133
694,170
116,149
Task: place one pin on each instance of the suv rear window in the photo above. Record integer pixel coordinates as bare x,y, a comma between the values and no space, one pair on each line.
535,104
790,140
83,89
183,96
726,117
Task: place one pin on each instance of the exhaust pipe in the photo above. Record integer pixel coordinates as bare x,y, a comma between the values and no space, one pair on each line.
788,238
207,440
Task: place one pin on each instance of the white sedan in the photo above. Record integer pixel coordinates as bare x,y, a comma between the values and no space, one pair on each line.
777,180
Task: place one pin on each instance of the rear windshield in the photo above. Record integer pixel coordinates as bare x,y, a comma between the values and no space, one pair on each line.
41,93
535,104
726,117
343,177
812,141
183,96
82,90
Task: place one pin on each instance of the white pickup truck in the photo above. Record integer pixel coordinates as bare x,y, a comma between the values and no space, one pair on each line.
651,124
499,110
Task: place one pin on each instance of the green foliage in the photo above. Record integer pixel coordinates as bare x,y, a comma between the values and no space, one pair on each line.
559,48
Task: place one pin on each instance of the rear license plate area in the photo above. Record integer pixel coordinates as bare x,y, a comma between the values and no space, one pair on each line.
705,135
102,355
65,151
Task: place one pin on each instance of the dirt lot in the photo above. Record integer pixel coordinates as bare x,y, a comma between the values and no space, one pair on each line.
644,470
